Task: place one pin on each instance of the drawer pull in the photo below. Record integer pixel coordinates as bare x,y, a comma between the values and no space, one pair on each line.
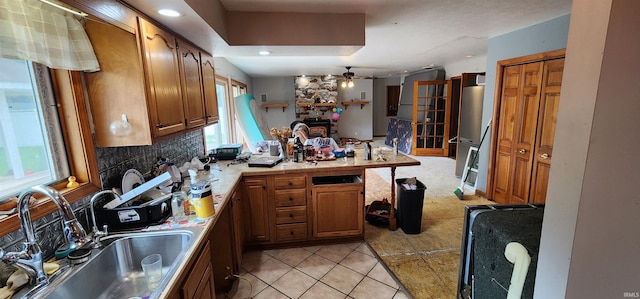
290,198
291,215
290,183
292,233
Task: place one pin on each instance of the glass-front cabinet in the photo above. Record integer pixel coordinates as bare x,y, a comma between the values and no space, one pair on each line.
430,123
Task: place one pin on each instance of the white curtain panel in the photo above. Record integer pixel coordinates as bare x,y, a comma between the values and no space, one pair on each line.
36,31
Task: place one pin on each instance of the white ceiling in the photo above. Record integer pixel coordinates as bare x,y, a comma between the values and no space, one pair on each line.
400,35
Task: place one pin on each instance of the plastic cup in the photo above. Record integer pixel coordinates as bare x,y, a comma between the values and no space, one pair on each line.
152,267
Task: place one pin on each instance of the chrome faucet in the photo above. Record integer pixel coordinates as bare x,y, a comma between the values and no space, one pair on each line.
98,234
30,258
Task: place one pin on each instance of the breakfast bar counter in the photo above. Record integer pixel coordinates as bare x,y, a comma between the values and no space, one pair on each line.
289,204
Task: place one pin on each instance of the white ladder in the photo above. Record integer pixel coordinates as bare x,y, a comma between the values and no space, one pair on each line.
470,184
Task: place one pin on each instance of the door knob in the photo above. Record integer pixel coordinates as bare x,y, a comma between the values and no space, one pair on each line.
544,156
522,151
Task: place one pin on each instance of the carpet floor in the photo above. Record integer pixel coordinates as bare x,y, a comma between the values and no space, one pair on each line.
426,264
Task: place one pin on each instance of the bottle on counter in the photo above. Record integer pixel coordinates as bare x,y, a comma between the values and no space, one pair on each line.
295,153
367,151
395,146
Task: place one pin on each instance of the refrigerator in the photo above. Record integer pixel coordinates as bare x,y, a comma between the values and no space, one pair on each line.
470,124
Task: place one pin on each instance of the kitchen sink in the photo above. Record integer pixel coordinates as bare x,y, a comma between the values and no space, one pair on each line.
114,271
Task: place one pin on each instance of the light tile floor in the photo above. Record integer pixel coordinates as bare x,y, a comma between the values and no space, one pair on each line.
348,270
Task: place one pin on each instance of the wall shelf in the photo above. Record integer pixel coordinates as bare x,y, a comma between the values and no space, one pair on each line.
312,105
266,106
361,103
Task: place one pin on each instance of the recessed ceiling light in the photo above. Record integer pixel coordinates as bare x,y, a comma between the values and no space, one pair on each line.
264,53
468,56
169,12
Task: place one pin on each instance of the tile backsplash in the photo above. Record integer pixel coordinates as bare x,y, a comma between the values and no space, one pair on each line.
112,163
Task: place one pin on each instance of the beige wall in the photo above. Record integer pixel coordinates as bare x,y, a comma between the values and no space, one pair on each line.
589,246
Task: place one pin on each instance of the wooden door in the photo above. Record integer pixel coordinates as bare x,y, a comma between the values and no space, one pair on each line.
517,132
256,210
339,211
190,75
209,87
430,123
546,130
163,79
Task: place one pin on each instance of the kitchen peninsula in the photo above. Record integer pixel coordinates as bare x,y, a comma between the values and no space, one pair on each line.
288,205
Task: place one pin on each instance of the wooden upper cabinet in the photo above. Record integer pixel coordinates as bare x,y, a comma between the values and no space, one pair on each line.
209,87
163,79
192,93
119,87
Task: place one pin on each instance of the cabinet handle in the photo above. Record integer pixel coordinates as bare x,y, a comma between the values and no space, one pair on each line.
522,151
290,183
544,156
160,125
291,215
290,198
292,233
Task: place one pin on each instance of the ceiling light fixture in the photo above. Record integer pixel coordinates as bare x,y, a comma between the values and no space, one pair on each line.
264,53
348,76
169,12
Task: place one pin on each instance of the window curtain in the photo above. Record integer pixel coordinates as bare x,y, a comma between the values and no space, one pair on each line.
36,31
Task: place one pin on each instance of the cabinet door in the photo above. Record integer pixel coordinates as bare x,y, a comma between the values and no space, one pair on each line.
120,65
547,118
209,85
238,232
199,283
256,210
163,79
430,124
517,132
190,75
338,211
206,289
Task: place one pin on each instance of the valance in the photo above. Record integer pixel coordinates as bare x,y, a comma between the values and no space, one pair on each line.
33,30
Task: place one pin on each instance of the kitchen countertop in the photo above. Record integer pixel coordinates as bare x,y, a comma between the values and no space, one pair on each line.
228,175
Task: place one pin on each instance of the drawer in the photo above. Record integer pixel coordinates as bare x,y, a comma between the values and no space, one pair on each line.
291,215
287,198
291,232
290,182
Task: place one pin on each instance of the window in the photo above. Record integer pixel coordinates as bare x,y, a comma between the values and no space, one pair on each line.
218,134
225,131
31,142
238,88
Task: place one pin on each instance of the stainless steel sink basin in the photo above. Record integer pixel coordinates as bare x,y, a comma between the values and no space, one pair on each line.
115,271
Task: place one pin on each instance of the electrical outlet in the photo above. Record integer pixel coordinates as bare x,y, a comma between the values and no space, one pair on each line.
263,98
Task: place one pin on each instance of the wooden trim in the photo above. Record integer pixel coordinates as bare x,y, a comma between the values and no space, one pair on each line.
238,83
74,121
497,95
481,193
533,58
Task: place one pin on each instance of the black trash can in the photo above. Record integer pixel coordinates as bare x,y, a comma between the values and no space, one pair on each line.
410,206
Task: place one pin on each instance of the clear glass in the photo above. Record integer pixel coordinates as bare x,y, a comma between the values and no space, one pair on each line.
31,148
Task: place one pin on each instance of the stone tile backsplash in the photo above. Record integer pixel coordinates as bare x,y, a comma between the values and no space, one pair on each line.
112,163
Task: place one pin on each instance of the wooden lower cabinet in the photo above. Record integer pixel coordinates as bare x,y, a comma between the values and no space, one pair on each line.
307,207
338,207
238,227
223,252
256,210
199,283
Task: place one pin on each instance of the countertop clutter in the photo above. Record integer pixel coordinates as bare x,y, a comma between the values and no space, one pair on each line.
290,204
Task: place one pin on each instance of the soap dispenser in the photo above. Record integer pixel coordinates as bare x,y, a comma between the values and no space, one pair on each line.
200,197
